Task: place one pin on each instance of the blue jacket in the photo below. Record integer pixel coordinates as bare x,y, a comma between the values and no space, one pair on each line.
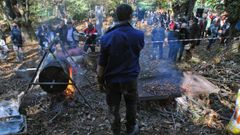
238,26
158,34
120,51
41,35
214,31
16,36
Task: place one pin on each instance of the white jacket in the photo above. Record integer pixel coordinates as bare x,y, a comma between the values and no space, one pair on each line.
3,46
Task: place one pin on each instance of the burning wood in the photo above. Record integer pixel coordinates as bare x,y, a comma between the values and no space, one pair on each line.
70,90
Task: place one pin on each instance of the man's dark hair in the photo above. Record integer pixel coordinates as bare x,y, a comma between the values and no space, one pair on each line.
124,12
69,22
90,26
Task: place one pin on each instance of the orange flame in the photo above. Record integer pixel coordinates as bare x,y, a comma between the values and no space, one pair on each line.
70,90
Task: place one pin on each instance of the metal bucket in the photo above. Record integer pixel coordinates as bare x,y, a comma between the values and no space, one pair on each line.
56,74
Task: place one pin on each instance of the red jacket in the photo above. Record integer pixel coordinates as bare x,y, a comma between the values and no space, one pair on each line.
172,25
91,35
89,32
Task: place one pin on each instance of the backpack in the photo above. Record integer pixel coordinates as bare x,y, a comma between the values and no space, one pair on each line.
17,36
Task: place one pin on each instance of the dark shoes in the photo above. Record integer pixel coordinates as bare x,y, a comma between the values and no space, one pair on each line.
134,131
116,130
208,48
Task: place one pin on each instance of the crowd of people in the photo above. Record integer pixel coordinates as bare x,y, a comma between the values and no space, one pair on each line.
167,30
17,41
181,31
68,35
65,31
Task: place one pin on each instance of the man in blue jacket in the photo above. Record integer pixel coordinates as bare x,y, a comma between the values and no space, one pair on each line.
17,40
42,37
118,68
158,36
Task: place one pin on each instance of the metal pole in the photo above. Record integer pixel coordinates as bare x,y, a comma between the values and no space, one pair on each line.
51,83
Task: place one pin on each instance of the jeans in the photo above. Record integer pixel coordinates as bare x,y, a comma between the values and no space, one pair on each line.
114,95
19,52
181,50
173,51
160,50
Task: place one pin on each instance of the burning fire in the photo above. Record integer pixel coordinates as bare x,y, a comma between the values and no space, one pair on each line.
70,90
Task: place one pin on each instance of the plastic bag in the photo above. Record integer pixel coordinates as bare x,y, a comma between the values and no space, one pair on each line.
11,122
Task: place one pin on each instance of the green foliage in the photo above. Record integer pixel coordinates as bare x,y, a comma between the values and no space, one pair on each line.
211,3
232,7
77,9
147,4
163,4
39,10
215,5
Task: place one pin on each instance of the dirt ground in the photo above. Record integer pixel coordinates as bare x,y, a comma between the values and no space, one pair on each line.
204,115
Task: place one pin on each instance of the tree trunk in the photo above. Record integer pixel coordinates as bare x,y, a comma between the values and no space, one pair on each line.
233,18
12,13
191,4
184,8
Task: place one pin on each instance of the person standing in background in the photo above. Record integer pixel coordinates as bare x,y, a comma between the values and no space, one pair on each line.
17,40
99,19
3,50
158,36
72,43
173,44
183,35
2,34
213,33
91,34
42,38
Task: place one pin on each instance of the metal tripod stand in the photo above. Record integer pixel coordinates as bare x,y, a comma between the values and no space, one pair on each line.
40,66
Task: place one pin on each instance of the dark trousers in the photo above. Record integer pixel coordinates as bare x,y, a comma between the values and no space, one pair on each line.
114,95
211,41
160,50
181,50
173,51
86,47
